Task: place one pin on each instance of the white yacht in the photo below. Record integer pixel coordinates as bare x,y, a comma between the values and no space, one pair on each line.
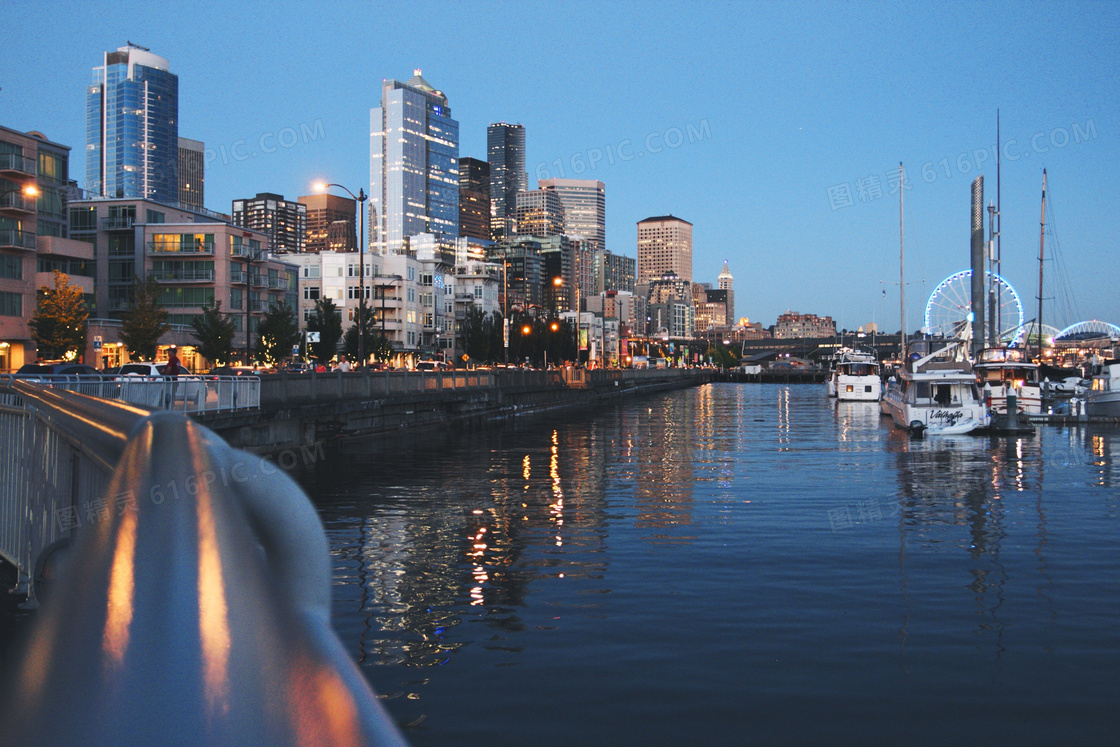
1103,397
936,397
1004,370
855,376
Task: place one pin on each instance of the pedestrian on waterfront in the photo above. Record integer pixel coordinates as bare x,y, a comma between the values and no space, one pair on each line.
320,368
173,367
343,364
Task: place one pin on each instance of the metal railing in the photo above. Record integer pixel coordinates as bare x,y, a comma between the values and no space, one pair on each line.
186,394
186,275
18,163
118,222
10,237
202,247
194,599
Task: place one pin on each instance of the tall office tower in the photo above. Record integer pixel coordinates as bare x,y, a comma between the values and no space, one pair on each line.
585,210
132,127
323,211
539,213
612,272
413,165
283,221
664,246
505,149
726,283
474,198
192,163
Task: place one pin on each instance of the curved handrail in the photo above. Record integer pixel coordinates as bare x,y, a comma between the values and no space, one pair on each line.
195,609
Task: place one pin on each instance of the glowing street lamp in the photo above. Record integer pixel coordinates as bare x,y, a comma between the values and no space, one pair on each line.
558,282
360,198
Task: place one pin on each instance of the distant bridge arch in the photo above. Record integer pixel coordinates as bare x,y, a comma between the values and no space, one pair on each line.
1093,330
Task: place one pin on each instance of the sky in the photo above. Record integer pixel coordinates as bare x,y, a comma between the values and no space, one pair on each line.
775,128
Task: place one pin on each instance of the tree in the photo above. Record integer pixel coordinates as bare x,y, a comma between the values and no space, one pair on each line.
59,323
350,340
144,321
277,334
497,342
327,321
477,335
214,332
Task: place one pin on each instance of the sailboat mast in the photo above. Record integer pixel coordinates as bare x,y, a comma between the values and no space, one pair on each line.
901,284
999,220
1041,244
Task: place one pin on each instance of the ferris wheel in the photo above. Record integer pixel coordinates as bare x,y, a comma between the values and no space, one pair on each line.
949,309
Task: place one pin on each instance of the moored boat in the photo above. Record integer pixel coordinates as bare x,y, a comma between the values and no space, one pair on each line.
1103,397
855,376
1001,371
936,397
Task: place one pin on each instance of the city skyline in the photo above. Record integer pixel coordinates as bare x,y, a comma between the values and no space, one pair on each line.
781,158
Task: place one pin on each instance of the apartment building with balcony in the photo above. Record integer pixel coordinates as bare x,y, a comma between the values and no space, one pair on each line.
34,190
198,258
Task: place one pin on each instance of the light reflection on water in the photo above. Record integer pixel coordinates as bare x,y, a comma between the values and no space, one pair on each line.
728,564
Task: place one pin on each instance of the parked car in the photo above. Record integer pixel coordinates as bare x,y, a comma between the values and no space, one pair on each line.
146,384
57,369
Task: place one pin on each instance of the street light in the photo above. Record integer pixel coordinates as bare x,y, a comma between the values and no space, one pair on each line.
27,190
360,198
558,282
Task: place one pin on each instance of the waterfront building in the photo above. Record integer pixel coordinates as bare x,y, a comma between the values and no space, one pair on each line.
323,212
198,257
414,171
539,213
505,150
192,173
584,205
610,271
664,246
477,283
283,221
711,307
132,127
474,198
524,272
34,238
793,324
435,291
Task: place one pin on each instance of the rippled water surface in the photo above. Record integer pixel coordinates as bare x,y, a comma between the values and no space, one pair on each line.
733,564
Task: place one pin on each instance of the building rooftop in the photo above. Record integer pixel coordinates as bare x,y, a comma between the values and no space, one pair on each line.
662,218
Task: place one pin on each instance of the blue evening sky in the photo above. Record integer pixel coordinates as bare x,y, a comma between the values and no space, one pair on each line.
774,127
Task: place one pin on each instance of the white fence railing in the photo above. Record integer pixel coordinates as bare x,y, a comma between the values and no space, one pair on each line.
187,394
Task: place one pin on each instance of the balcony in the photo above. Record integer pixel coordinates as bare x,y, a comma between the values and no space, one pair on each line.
17,203
118,223
200,249
278,283
244,251
191,275
10,238
13,163
259,305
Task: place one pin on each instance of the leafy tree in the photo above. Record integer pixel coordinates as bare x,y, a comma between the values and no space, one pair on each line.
369,332
277,334
477,333
144,321
59,323
497,343
214,332
380,348
327,321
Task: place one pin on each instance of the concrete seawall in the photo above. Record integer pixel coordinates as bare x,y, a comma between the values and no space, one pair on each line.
308,410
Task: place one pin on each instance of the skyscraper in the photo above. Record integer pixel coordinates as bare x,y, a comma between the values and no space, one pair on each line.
585,211
323,211
283,221
726,283
505,149
132,127
413,165
474,198
192,163
539,213
664,247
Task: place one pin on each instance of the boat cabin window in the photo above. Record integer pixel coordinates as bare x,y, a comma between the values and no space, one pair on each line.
944,394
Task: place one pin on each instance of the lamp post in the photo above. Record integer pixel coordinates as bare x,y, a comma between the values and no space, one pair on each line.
360,198
27,190
558,282
249,304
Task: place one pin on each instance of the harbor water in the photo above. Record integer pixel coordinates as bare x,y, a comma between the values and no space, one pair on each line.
732,564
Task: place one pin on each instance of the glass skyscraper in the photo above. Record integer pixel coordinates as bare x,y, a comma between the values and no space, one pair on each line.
413,165
132,127
585,211
505,149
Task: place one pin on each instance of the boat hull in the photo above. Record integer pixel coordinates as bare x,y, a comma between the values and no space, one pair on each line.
858,388
1103,404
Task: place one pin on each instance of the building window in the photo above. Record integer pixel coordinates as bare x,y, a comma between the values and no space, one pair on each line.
11,268
155,216
311,293
11,304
